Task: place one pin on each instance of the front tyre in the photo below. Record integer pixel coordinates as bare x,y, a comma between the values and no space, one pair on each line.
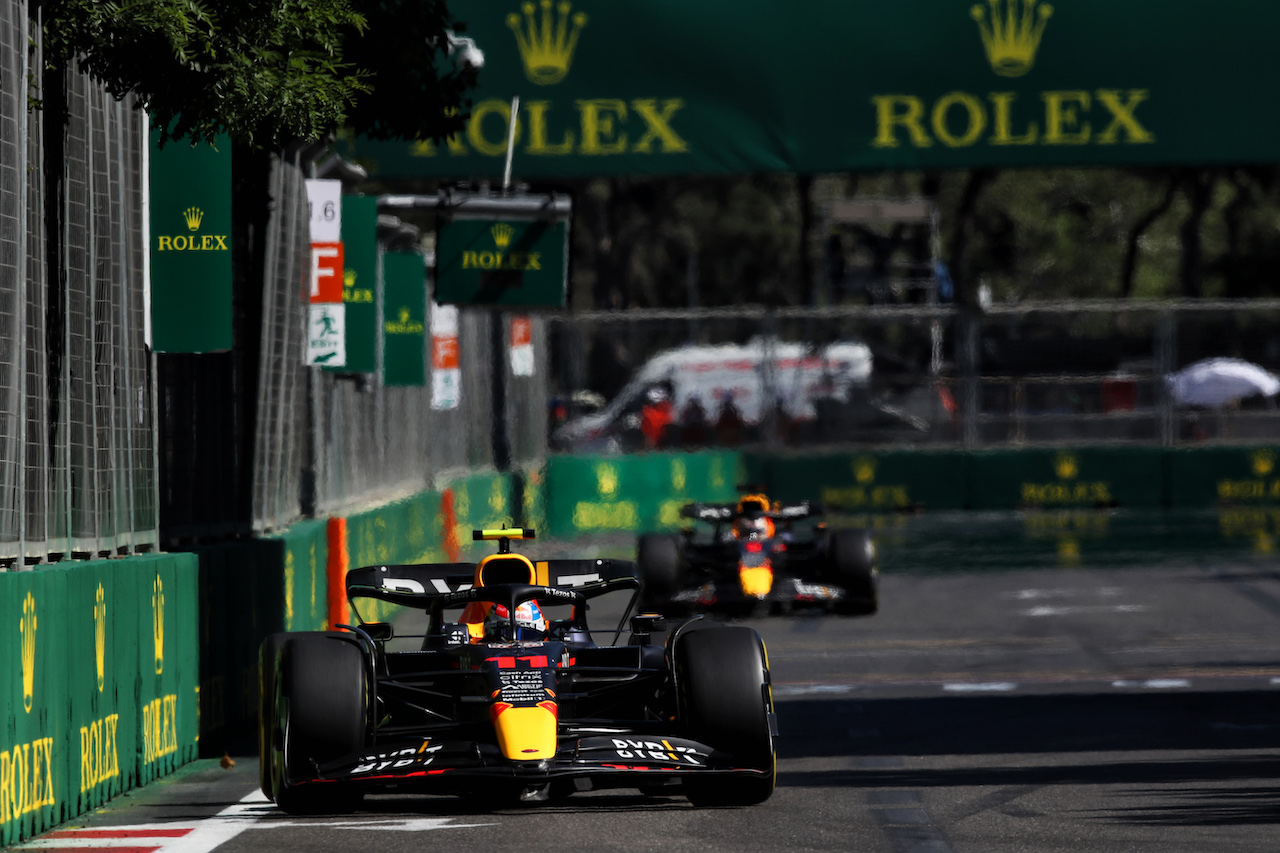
268,666
851,564
322,709
726,703
658,560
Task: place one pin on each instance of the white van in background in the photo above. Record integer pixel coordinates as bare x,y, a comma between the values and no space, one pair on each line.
757,377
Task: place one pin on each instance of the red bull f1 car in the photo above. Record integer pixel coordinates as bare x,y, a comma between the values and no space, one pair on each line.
756,554
507,692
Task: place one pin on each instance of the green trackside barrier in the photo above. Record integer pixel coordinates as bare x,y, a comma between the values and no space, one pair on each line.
101,684
871,481
403,531
592,494
1224,476
1131,477
249,589
481,501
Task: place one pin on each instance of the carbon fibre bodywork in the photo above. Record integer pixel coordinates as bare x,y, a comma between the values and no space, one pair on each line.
529,719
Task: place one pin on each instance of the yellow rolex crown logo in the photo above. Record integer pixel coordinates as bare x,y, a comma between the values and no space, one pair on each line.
502,233
864,469
1011,32
404,316
349,278
157,622
606,479
1066,466
1263,462
100,636
27,627
679,475
547,43
193,215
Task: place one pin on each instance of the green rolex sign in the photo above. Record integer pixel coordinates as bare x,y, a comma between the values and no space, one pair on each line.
507,262
816,86
359,283
404,319
190,199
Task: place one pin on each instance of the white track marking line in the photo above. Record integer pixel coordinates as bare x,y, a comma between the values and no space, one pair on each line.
1155,683
206,835
1050,610
982,687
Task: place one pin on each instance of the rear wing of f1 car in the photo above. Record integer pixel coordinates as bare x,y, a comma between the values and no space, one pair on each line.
413,585
716,513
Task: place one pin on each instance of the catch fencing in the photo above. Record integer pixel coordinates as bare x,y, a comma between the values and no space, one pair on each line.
77,432
1049,373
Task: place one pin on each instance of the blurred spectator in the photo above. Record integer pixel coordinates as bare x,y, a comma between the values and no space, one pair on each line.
729,423
695,430
655,415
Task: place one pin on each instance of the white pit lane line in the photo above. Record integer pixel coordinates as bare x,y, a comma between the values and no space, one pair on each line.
208,834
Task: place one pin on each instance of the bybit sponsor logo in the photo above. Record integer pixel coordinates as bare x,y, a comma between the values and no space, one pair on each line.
546,44
100,635
27,628
157,622
1011,32
1012,36
193,217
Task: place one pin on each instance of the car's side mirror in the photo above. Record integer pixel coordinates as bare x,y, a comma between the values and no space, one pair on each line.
643,625
378,631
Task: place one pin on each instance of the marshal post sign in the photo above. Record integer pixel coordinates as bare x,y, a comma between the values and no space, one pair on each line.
665,87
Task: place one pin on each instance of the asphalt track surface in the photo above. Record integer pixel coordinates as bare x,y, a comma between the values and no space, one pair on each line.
1046,709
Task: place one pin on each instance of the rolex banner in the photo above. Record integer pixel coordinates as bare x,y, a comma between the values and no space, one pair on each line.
190,201
359,283
615,87
404,319
502,262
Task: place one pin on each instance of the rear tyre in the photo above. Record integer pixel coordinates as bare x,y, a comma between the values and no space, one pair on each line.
322,712
726,703
268,653
658,559
851,558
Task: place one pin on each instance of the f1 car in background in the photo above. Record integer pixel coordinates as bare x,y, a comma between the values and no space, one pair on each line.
741,556
507,700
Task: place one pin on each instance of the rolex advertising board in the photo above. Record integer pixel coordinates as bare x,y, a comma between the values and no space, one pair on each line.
190,202
613,87
404,319
359,283
508,262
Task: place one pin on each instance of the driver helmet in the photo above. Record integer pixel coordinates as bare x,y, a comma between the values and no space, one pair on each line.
530,624
751,519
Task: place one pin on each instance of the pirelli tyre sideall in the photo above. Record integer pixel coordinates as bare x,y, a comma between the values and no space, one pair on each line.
726,702
851,565
658,559
322,706
268,654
